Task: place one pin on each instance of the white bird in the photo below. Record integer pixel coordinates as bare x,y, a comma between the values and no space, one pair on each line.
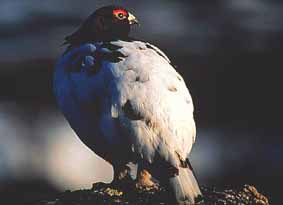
128,104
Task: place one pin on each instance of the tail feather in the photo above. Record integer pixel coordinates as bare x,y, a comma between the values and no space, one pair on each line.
185,187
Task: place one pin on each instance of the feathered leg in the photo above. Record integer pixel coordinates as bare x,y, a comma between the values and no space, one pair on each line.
120,172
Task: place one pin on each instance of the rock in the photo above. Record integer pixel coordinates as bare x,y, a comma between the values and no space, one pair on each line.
247,195
105,194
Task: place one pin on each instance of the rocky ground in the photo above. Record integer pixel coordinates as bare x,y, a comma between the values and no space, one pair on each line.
104,194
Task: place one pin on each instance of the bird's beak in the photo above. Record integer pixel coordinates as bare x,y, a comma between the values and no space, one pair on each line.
132,19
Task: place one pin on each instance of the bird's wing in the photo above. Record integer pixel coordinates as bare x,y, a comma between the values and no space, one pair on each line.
151,101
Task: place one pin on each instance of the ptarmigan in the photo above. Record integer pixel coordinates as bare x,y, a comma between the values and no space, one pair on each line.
127,103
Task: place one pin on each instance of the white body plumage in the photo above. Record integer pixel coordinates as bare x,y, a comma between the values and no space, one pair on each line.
138,104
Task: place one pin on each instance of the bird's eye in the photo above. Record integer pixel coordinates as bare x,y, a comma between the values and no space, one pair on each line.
121,15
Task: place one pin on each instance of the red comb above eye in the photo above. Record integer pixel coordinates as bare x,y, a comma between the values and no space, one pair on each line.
118,11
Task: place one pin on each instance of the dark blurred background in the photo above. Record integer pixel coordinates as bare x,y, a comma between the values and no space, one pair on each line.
229,52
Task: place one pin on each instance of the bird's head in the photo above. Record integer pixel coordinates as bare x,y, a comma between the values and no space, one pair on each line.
105,23
113,20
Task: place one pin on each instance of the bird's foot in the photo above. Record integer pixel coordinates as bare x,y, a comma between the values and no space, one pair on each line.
145,182
127,181
122,180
